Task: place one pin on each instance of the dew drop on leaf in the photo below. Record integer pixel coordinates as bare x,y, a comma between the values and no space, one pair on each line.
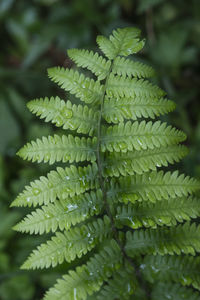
50,184
46,157
67,113
58,121
67,157
36,192
122,146
71,207
139,142
71,125
75,298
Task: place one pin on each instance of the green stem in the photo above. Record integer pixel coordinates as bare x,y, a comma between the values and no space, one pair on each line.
99,161
102,185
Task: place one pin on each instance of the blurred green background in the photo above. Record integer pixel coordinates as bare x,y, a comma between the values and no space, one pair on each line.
34,36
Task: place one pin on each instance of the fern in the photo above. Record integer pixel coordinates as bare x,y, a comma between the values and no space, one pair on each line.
113,202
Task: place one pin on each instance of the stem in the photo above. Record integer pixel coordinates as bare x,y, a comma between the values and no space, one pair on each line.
102,185
99,162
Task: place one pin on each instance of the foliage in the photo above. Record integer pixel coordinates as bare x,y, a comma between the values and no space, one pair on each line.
35,35
107,243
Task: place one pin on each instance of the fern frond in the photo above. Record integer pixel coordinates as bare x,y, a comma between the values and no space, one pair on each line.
143,135
55,148
69,245
181,239
113,189
131,162
85,88
155,186
180,269
166,212
131,87
118,109
123,41
90,60
166,291
126,67
60,183
64,114
62,214
121,286
88,278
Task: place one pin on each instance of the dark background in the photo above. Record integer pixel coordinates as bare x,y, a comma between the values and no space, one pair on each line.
34,35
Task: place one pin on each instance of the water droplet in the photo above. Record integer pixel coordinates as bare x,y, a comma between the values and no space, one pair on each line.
67,113
46,157
28,199
71,125
67,177
142,266
122,146
83,86
139,142
155,270
47,216
67,157
75,294
90,238
69,245
185,280
36,192
58,121
129,288
50,184
83,181
71,207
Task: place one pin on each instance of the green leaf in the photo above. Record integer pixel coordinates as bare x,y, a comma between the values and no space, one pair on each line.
88,278
131,162
55,148
118,109
180,269
131,87
183,239
69,245
62,214
173,291
139,136
121,286
90,60
64,114
126,67
86,89
123,41
153,186
61,183
165,212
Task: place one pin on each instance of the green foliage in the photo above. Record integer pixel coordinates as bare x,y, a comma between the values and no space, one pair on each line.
55,149
64,114
183,270
118,180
